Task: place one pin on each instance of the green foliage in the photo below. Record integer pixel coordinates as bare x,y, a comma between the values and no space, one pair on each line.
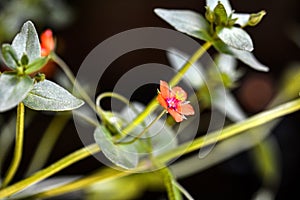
13,89
49,96
125,156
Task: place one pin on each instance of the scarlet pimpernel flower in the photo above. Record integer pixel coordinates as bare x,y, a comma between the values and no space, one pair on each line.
174,101
47,46
47,42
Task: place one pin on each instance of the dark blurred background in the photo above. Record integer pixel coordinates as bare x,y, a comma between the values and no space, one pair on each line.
88,23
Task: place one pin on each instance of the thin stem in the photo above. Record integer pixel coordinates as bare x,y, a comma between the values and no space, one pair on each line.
146,129
175,80
227,132
47,142
18,146
103,175
52,169
172,191
232,130
182,190
71,77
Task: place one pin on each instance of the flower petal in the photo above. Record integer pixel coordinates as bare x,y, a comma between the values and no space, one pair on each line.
162,101
164,89
178,117
187,109
179,93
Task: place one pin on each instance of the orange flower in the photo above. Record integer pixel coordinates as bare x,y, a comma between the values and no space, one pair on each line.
174,101
47,42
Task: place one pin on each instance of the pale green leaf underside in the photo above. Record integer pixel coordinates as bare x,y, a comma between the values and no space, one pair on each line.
185,21
49,96
235,37
13,89
242,18
27,42
124,156
245,56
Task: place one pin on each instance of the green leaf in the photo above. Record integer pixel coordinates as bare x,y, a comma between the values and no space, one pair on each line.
235,37
185,21
27,42
13,89
220,14
124,156
36,65
49,96
9,56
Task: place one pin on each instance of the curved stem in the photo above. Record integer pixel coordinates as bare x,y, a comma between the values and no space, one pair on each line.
227,132
52,169
143,132
71,77
175,80
232,130
47,142
18,146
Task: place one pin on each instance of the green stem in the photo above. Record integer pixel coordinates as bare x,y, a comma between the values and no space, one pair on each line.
71,77
52,169
227,132
18,146
143,132
103,175
174,81
232,130
47,142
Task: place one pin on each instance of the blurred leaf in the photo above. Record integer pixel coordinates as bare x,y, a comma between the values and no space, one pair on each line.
235,37
43,186
185,21
36,65
9,56
195,74
161,135
125,156
27,42
13,89
49,96
229,105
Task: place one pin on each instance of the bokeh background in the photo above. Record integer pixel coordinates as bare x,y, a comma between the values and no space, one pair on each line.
79,26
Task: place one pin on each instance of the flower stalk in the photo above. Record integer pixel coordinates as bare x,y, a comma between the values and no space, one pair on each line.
18,146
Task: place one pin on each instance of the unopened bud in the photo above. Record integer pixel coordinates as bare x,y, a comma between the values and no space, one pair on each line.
255,18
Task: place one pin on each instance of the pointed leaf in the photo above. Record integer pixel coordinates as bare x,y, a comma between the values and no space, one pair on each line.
36,65
9,56
213,3
49,96
185,21
124,156
13,89
249,59
27,42
235,37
